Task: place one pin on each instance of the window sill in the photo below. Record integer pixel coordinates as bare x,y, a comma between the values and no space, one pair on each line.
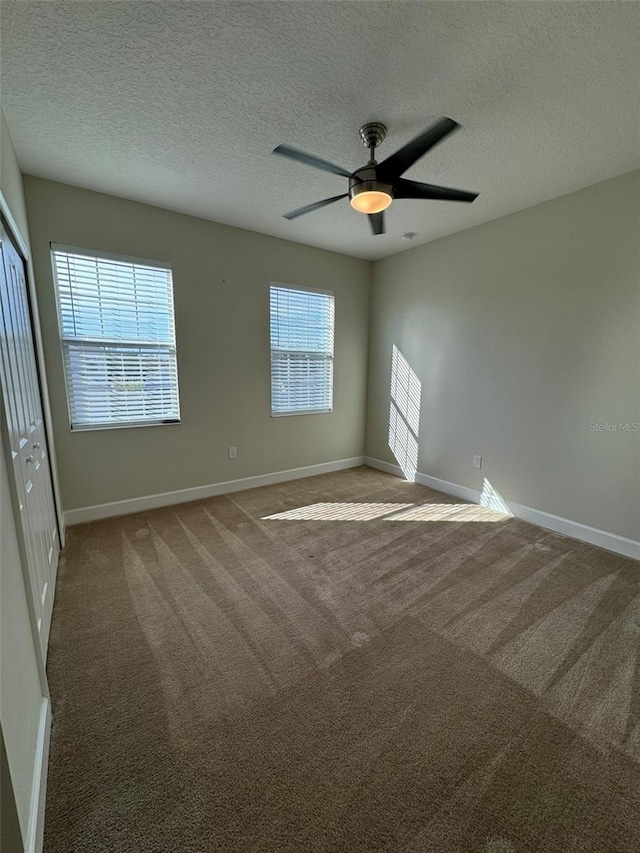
131,425
301,412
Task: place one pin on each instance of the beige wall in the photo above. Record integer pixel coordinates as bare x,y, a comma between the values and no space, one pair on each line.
523,331
10,834
20,685
221,285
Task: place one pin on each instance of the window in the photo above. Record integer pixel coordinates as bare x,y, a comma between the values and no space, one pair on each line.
118,339
301,350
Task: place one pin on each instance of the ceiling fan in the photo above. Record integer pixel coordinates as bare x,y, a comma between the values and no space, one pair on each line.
373,187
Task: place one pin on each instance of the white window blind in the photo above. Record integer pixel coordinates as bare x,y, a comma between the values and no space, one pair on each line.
118,339
302,323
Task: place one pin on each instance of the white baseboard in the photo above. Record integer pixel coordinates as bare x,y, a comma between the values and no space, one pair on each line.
463,492
387,467
109,510
35,831
565,526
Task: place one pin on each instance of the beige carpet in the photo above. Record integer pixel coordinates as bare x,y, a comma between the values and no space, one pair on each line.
379,669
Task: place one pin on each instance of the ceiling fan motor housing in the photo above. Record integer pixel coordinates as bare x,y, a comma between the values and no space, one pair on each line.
365,180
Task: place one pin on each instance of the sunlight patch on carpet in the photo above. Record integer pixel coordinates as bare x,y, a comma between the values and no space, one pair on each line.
388,512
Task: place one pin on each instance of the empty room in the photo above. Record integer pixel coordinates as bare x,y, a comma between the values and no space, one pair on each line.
320,406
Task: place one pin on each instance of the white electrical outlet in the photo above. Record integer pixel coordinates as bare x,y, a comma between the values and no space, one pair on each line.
233,452
477,461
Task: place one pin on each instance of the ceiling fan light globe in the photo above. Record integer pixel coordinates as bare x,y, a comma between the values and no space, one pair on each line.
370,197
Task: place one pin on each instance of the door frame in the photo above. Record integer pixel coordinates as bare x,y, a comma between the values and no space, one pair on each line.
35,829
40,363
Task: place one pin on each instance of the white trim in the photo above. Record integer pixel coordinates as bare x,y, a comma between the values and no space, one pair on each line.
283,285
127,425
387,467
109,256
467,494
565,526
108,510
301,412
44,385
35,830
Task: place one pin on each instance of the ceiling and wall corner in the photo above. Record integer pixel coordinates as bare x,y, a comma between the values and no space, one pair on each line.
179,105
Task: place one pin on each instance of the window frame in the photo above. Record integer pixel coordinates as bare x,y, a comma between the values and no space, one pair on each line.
99,254
303,289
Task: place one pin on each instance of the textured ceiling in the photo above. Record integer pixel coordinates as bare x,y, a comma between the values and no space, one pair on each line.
180,104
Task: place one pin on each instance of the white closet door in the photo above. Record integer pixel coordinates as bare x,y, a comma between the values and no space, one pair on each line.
27,437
